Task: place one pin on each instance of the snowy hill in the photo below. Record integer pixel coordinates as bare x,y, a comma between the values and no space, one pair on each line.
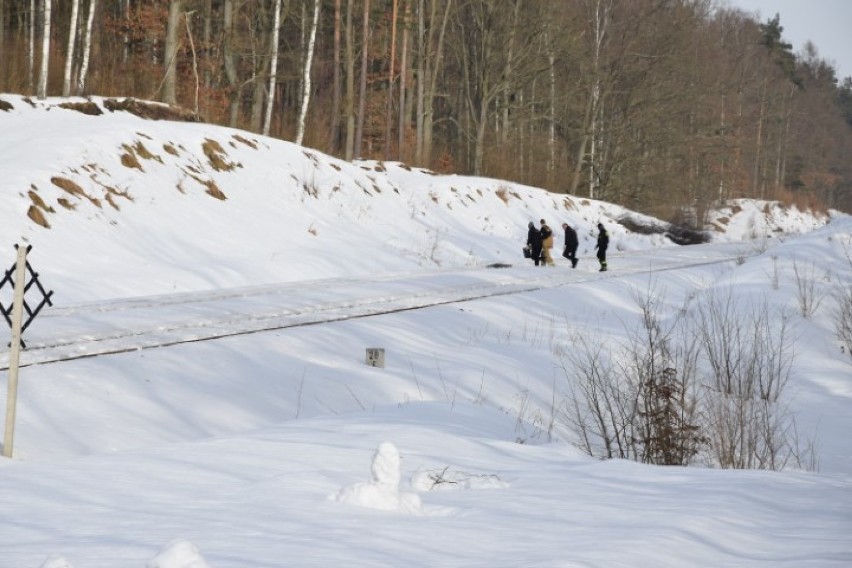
198,394
261,210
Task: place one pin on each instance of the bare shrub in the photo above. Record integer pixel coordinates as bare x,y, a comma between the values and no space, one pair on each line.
640,403
843,316
706,385
749,354
807,293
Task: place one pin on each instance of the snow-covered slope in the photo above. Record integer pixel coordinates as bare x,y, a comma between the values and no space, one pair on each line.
198,395
244,209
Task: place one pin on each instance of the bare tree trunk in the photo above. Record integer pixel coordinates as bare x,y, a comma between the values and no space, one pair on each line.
421,83
403,98
389,113
757,182
2,28
207,38
362,97
45,52
259,67
87,49
186,18
306,95
273,67
334,136
230,58
350,84
72,41
551,127
434,55
171,50
31,46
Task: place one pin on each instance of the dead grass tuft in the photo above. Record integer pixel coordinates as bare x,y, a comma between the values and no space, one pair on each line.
88,108
128,160
37,216
503,194
68,186
39,202
215,155
213,189
171,149
5,105
152,111
143,152
66,204
245,141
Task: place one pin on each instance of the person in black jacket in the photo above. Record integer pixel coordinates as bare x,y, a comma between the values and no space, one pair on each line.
571,244
534,243
603,243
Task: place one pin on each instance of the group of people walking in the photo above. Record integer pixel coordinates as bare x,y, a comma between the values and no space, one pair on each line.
540,241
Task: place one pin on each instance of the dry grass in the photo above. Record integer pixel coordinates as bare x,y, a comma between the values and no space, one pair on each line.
88,108
5,105
245,141
129,159
39,202
213,189
152,111
143,152
503,194
69,186
215,155
171,149
37,216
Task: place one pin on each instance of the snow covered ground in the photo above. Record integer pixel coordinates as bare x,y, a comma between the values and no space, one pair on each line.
197,395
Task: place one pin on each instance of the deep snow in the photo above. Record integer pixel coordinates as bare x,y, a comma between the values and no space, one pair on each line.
259,436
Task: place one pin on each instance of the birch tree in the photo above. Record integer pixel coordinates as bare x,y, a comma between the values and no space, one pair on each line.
72,41
45,51
87,49
31,32
273,67
309,57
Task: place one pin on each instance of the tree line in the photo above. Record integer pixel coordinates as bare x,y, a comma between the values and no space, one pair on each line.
664,106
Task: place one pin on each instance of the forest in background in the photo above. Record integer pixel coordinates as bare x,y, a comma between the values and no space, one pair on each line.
663,106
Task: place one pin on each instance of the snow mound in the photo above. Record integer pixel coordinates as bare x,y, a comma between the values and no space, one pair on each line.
382,492
178,554
56,561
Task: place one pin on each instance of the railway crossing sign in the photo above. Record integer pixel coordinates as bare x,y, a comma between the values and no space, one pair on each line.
21,278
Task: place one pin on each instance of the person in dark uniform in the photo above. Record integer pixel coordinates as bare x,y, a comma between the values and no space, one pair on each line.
571,244
534,242
603,243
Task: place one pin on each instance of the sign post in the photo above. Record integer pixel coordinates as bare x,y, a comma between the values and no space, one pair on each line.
15,351
14,315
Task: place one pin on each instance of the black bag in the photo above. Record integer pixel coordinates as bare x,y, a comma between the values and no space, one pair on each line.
527,253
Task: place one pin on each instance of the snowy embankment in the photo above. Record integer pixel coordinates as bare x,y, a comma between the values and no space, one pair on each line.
250,442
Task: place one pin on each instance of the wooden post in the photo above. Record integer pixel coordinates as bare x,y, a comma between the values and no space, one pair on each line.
15,350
